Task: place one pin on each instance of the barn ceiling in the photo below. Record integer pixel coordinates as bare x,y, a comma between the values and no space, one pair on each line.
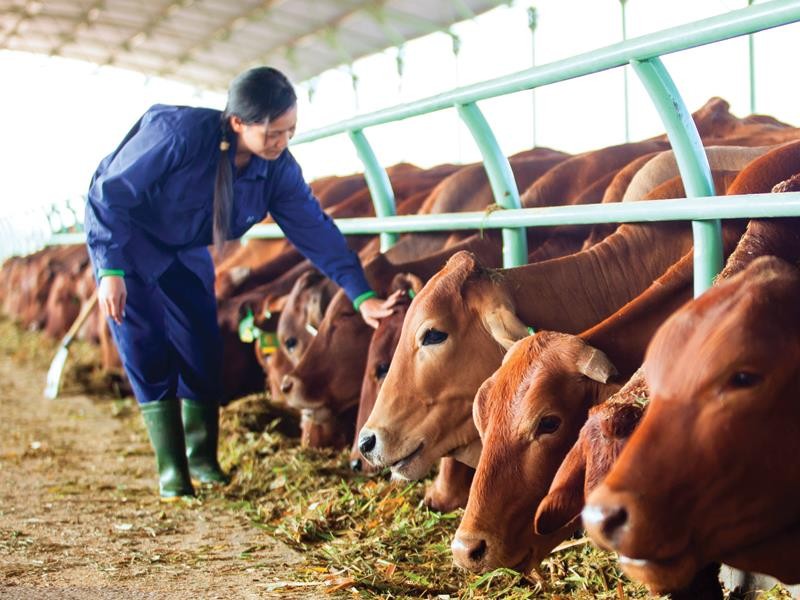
207,42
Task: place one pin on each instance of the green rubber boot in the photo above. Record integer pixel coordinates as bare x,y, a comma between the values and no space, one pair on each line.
163,422
201,429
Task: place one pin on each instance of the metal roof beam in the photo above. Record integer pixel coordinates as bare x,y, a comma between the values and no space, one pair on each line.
463,10
336,22
86,20
221,34
26,13
378,14
145,32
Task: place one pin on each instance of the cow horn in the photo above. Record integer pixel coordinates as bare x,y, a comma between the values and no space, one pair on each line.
595,365
505,326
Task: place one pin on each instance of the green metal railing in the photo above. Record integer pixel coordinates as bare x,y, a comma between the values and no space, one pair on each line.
643,54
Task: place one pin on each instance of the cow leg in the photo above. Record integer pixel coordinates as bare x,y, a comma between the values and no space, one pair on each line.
450,489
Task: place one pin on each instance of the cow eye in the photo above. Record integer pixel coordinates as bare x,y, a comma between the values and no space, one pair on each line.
290,343
433,336
744,379
548,424
380,370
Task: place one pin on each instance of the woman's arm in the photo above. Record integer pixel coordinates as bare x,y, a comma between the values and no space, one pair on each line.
147,154
312,232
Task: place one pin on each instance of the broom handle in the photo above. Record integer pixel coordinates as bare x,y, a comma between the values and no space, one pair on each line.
78,323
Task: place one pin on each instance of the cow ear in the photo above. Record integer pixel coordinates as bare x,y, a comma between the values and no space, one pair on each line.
565,500
505,326
317,304
595,365
275,305
414,282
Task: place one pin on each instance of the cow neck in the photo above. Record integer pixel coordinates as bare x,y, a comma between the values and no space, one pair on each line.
573,293
777,237
775,555
624,335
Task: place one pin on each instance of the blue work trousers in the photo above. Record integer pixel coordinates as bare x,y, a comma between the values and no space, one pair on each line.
169,339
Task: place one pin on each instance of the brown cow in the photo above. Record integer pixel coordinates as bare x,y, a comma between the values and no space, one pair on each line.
496,528
595,454
714,507
328,377
379,356
547,383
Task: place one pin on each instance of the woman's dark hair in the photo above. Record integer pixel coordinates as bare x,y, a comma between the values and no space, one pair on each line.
256,96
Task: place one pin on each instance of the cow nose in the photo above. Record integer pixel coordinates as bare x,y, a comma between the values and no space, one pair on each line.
469,551
286,384
366,443
605,521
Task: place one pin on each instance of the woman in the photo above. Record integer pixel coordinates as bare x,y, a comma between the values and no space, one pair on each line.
181,178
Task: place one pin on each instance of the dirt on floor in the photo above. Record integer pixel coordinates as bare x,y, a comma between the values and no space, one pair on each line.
80,515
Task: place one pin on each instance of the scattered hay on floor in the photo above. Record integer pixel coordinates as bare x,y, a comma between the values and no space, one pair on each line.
361,536
375,537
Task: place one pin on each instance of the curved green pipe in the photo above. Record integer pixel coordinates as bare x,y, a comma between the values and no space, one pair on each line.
501,178
692,164
380,188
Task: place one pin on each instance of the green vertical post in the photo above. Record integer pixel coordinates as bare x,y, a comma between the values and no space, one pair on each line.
752,59
533,21
501,178
692,164
380,188
626,100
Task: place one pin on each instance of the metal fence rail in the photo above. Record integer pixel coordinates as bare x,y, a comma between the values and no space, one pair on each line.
643,55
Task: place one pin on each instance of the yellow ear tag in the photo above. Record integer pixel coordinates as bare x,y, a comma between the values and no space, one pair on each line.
268,342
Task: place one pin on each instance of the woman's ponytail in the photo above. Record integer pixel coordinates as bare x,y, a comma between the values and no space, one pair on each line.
223,191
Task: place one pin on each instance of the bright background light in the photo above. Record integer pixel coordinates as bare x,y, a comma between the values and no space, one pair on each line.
59,118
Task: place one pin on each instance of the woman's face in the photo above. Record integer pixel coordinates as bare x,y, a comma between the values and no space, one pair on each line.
267,141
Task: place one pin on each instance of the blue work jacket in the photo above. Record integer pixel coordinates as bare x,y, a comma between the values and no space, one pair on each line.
150,202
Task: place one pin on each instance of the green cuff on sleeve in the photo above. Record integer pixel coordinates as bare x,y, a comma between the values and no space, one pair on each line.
115,272
360,299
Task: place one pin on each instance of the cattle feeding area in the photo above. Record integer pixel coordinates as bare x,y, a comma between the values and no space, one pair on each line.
339,534
498,399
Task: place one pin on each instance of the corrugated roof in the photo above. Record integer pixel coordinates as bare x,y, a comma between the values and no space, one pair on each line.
207,42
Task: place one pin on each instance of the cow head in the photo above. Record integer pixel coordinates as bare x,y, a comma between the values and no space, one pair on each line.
454,336
326,383
528,414
379,356
302,313
710,470
600,441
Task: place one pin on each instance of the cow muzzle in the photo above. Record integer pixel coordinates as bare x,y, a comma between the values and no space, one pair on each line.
404,462
296,394
478,552
606,519
615,521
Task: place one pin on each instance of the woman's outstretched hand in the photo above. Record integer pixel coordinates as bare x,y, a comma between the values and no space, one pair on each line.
374,309
111,297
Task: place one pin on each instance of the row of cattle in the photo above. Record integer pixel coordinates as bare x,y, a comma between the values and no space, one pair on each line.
528,430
